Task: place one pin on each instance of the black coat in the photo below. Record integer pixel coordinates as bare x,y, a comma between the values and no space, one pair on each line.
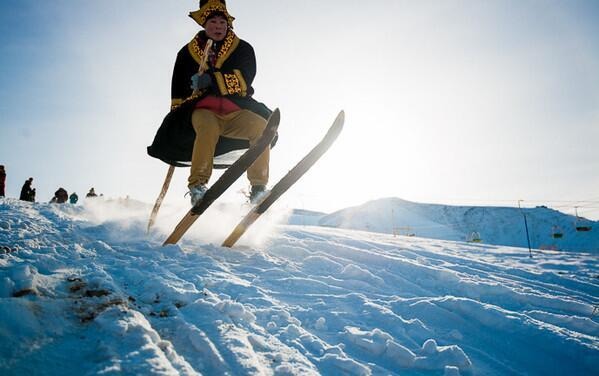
2,182
60,196
26,192
232,73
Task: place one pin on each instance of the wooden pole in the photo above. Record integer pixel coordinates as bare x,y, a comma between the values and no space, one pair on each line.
167,180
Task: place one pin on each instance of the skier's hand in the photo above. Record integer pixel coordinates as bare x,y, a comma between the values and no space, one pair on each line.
200,81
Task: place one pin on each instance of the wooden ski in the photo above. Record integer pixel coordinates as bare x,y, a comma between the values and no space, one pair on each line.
227,178
287,181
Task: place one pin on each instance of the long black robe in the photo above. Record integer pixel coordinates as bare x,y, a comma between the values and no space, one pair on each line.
232,72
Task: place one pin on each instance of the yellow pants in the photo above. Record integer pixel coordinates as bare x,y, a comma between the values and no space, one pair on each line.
209,127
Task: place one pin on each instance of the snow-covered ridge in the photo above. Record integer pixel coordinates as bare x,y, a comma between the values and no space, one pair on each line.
83,290
548,228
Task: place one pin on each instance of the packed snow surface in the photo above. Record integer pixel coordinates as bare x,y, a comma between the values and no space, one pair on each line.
84,290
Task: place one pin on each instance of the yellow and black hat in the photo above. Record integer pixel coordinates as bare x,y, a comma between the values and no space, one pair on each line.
209,8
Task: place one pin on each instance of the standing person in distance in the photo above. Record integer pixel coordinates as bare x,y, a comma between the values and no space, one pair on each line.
60,196
91,193
2,181
73,198
27,193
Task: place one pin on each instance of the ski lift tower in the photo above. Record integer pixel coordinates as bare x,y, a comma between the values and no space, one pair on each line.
526,228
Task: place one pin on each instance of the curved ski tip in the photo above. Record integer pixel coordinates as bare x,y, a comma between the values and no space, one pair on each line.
341,116
276,115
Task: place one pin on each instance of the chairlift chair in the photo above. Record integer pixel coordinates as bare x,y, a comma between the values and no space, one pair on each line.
583,228
474,237
581,224
556,232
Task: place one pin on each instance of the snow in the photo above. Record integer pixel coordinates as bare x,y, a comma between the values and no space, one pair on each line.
492,225
84,290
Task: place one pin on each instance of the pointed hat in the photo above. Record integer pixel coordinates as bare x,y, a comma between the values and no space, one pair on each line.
209,7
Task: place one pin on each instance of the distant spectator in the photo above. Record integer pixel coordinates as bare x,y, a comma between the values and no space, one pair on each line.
73,198
60,196
27,193
2,180
91,193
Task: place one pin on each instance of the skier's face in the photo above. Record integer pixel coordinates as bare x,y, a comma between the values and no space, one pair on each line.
216,28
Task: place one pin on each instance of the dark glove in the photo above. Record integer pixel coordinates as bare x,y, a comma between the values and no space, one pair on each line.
200,81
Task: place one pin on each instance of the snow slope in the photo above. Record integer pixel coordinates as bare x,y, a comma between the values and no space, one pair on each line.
83,290
494,225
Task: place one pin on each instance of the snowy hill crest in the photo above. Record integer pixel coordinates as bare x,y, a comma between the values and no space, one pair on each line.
548,228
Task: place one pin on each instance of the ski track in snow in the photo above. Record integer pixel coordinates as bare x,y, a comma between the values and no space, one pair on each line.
86,292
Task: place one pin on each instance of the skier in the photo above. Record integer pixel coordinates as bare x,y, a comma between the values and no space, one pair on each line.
27,193
73,198
216,104
2,180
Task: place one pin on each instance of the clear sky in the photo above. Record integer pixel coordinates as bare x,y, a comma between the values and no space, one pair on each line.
456,102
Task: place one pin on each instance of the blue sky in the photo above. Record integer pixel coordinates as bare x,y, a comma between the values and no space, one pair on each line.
457,102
